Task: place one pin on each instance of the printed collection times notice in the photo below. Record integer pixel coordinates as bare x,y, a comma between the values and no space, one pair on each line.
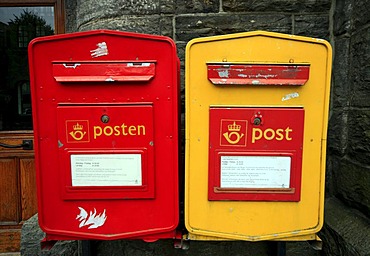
255,172
106,170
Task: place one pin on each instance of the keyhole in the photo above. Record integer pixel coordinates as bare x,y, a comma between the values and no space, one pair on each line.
257,121
104,119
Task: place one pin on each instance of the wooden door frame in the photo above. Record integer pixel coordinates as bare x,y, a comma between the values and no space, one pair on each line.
59,11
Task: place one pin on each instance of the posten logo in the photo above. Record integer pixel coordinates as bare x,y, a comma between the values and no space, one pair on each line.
233,132
77,131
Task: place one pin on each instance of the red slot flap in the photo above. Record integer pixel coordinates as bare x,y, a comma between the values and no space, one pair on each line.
258,74
119,71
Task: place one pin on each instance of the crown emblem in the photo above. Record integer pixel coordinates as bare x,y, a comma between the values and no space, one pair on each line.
78,127
77,131
234,127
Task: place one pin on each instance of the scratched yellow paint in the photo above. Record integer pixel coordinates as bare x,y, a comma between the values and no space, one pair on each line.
254,220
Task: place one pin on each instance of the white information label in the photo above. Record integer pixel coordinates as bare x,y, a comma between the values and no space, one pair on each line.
255,171
106,170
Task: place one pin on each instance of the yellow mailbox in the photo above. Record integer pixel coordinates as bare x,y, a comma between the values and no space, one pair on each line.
256,123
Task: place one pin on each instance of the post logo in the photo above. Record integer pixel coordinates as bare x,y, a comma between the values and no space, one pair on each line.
233,132
271,134
77,131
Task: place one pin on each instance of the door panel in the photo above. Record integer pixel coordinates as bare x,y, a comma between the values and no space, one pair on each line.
10,240
28,193
9,192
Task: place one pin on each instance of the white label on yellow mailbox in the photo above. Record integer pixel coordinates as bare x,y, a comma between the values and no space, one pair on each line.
255,171
106,170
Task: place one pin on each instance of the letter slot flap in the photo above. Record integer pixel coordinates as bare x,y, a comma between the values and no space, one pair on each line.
103,71
258,74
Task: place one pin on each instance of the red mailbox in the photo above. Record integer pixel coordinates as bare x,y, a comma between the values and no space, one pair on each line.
105,113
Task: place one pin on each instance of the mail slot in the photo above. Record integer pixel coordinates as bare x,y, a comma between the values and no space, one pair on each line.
105,113
256,121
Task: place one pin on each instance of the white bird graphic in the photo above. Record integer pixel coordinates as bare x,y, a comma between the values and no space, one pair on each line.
92,220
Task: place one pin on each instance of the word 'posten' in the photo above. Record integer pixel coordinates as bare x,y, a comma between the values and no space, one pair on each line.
119,130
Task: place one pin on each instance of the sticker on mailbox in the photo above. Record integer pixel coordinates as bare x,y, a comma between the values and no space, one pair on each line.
91,220
255,171
106,170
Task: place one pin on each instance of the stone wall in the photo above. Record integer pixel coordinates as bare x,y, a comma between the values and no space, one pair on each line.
347,212
349,133
184,20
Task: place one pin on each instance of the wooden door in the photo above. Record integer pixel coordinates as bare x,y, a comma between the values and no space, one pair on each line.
20,22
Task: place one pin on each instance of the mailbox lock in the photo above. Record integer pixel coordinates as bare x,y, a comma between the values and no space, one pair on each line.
257,121
104,119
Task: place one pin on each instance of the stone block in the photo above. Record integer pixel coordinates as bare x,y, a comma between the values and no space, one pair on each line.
87,11
342,17
189,27
90,11
293,6
113,8
338,132
359,135
197,6
360,15
312,26
181,46
360,68
181,53
153,24
166,26
70,13
140,7
352,181
346,231
167,6
139,24
332,165
341,83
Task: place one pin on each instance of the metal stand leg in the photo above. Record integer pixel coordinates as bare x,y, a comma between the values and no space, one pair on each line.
47,244
85,248
280,248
